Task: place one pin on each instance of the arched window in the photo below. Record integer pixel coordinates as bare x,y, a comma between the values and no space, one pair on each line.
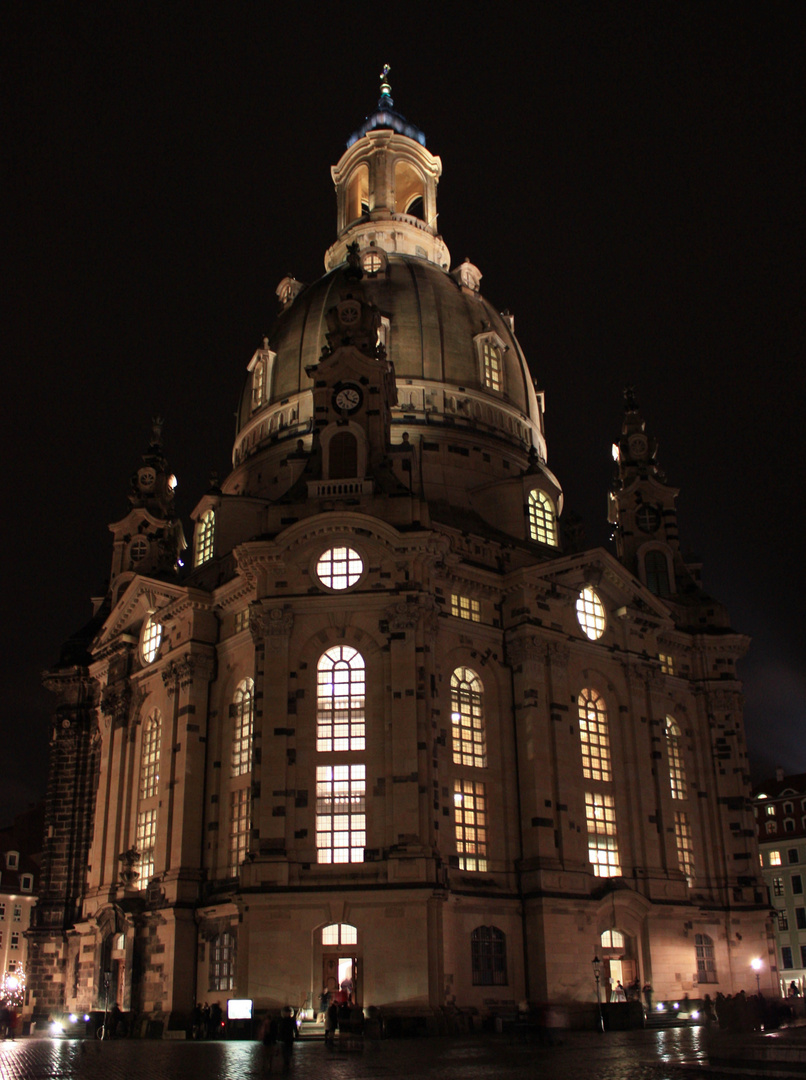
591,613
488,956
491,364
467,718
243,713
259,384
612,939
657,573
222,961
339,934
677,769
343,456
594,737
357,194
340,716
706,963
150,755
542,519
409,190
205,534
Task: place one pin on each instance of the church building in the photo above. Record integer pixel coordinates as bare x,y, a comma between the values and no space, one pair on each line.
389,725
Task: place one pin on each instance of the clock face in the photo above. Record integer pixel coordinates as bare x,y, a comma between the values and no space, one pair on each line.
347,398
648,519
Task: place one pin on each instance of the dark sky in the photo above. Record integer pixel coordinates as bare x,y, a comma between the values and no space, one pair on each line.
629,180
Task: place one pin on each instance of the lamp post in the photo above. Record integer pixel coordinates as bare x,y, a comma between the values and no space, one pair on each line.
756,966
596,963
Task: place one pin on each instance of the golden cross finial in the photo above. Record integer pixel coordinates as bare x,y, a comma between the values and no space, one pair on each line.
385,87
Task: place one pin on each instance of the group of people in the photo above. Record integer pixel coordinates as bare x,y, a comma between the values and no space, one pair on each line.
279,1031
208,1021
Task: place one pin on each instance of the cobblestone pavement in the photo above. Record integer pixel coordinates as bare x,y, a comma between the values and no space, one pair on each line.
673,1054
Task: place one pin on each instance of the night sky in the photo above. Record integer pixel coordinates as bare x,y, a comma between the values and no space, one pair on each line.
629,180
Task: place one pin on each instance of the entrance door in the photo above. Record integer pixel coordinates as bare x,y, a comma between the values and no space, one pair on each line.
338,971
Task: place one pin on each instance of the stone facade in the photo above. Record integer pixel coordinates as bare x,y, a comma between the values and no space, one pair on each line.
390,727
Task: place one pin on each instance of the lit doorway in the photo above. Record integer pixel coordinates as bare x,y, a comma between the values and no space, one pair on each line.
341,966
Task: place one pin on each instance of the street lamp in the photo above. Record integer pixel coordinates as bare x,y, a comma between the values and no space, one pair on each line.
596,964
756,966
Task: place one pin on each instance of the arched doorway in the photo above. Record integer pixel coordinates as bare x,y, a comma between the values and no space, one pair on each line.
341,962
619,965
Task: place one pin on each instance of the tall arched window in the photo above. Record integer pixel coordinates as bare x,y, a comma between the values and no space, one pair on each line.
488,956
594,737
542,519
467,718
146,828
657,573
150,755
205,535
222,961
243,712
677,769
340,716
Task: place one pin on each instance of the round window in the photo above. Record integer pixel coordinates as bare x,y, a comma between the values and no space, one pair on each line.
138,549
590,613
339,567
152,636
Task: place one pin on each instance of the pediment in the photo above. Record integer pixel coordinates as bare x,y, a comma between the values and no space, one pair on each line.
142,596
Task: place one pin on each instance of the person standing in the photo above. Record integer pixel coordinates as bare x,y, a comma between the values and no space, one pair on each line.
331,1023
286,1034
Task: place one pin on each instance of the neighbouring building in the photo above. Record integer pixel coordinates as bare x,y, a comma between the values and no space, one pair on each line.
20,853
780,808
389,726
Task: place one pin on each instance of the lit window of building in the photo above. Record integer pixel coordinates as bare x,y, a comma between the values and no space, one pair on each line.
145,841
594,737
240,824
339,934
677,770
685,844
205,537
488,956
706,962
222,961
339,568
150,756
341,815
666,663
491,363
470,819
241,620
775,858
590,613
465,608
340,700
152,636
467,718
243,710
600,814
542,519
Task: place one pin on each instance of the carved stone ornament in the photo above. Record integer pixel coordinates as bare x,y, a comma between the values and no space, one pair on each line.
271,626
558,656
524,648
128,869
179,674
405,616
725,701
116,703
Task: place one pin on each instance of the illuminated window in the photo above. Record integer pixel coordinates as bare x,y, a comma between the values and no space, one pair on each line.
783,920
488,956
602,839
666,663
612,939
341,814
590,613
222,961
677,770
465,608
594,737
706,964
775,858
339,568
467,718
372,262
241,620
152,636
150,755
470,817
770,809
778,886
145,840
243,713
340,701
491,364
542,519
685,844
772,828
205,534
240,824
339,934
